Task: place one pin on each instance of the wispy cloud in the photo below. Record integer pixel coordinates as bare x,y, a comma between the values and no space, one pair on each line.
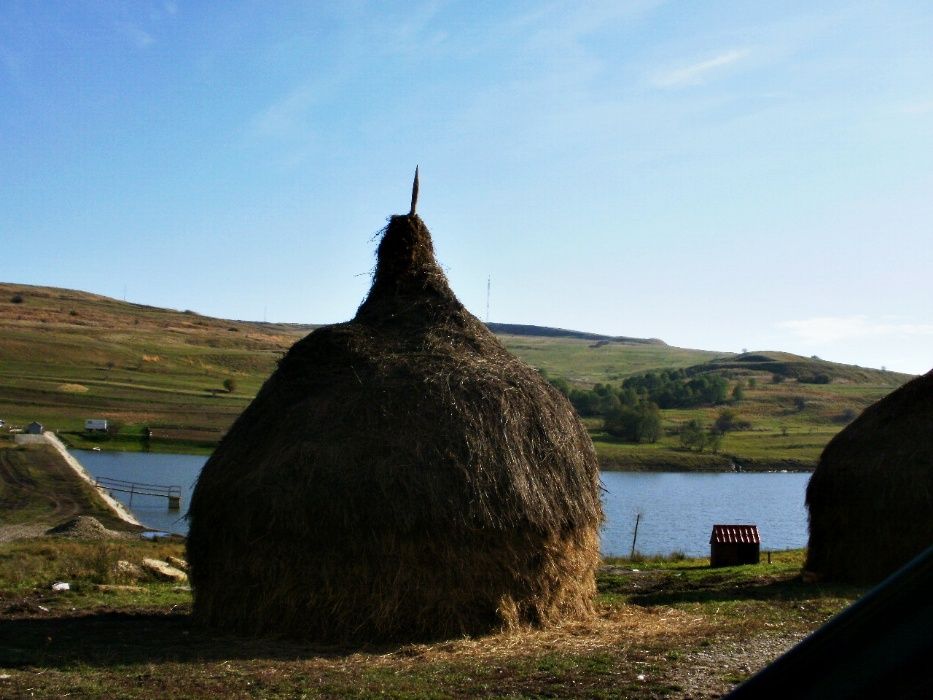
288,117
697,73
140,38
831,329
918,107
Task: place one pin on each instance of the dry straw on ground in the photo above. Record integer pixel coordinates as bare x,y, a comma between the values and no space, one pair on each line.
400,476
871,496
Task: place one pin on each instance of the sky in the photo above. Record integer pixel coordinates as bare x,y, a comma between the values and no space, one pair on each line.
720,175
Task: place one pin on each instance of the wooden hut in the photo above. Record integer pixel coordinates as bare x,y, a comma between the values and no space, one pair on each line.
731,545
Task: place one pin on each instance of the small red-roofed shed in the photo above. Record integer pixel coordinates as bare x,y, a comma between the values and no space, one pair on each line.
731,545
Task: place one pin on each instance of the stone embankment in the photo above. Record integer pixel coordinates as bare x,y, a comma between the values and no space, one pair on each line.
51,438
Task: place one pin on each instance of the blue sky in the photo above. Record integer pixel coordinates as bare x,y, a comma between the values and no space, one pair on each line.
721,175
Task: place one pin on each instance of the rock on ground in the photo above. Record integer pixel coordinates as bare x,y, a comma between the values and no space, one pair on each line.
164,570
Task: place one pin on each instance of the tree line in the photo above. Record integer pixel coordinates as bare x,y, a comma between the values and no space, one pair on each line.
632,411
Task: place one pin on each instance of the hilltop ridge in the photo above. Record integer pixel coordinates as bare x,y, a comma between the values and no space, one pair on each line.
68,355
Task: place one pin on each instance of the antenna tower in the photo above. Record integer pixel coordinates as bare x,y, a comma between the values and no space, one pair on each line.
488,286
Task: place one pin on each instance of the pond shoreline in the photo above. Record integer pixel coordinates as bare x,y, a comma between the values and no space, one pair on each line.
677,508
694,463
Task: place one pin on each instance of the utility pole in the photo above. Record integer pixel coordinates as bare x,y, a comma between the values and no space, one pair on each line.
488,287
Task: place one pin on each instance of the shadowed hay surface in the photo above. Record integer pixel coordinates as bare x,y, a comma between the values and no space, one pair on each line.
398,476
871,495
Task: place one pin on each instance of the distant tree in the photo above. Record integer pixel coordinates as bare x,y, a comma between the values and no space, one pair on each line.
738,393
713,441
800,403
650,425
777,378
848,415
634,423
693,435
16,299
752,383
725,421
229,385
561,384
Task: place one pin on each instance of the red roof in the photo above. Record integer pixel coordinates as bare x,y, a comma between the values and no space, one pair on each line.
735,534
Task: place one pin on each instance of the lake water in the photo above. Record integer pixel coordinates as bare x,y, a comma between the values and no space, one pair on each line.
677,510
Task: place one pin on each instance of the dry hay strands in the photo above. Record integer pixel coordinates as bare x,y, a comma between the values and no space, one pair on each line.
871,495
398,476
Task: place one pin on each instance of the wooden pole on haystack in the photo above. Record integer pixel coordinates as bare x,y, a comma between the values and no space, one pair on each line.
414,194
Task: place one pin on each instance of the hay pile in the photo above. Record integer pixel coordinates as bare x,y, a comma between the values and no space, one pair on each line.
400,476
85,527
871,496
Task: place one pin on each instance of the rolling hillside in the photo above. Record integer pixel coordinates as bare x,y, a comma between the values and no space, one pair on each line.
67,355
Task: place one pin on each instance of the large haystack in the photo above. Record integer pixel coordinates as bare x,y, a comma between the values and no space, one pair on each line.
871,496
399,476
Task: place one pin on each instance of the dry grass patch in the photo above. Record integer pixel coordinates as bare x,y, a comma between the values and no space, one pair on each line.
73,388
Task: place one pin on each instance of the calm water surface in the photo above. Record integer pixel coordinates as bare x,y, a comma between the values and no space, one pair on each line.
677,510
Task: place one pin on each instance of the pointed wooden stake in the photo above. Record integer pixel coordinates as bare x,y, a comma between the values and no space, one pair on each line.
414,194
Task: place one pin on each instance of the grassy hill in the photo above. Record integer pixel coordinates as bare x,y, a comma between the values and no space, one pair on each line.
67,355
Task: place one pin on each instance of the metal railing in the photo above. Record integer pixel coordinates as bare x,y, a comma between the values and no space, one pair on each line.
135,488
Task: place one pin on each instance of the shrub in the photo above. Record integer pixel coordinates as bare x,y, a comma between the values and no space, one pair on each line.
693,435
847,416
561,384
821,378
634,423
713,441
16,299
728,419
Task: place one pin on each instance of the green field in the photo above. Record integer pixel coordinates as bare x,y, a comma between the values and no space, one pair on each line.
66,356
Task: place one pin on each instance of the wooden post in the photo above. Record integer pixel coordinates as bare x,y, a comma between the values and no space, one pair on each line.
635,536
769,556
414,194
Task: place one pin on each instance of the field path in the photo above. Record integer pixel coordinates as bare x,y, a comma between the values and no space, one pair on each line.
41,486
118,508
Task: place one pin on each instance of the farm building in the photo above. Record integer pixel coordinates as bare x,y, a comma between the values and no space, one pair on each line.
399,476
34,428
95,425
731,545
870,498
